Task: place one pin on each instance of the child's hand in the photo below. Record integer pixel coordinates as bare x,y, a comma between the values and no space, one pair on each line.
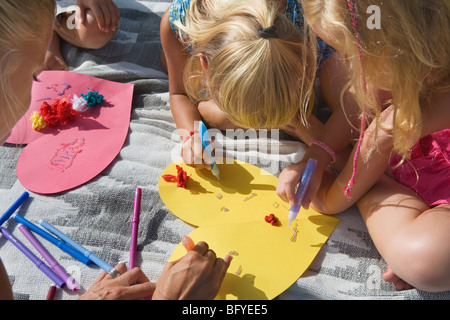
290,177
287,182
193,153
105,11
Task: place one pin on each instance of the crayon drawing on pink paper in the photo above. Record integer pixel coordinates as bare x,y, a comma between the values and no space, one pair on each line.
66,153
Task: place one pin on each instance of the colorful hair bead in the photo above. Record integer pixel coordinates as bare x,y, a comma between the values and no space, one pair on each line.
353,11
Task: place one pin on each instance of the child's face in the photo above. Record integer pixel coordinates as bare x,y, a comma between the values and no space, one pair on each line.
31,63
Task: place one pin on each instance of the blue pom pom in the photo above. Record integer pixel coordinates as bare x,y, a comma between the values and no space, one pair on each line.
92,98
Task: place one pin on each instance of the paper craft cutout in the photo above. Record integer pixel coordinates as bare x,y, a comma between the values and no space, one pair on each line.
51,85
268,260
64,157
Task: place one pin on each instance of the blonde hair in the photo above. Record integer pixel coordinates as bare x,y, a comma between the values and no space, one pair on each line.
21,21
257,82
408,56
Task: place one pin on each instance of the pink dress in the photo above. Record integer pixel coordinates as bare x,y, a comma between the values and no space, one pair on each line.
428,171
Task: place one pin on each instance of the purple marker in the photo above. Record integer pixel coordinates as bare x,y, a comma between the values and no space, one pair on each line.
302,188
71,284
135,226
30,255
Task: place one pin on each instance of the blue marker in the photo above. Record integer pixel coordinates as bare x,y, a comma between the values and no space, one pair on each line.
301,190
99,262
207,146
47,236
8,213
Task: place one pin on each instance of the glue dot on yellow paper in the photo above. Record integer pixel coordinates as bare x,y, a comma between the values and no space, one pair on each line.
250,196
239,270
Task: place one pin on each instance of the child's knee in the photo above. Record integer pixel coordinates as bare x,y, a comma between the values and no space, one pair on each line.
422,264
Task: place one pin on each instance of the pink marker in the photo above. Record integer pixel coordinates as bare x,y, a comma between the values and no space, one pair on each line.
55,266
135,227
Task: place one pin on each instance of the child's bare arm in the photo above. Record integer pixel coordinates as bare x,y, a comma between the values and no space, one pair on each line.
336,133
184,111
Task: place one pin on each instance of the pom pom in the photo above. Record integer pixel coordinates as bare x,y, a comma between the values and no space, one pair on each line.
59,112
181,178
38,121
93,98
272,219
79,104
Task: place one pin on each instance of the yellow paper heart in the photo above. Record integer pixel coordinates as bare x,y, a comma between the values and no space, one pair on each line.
267,258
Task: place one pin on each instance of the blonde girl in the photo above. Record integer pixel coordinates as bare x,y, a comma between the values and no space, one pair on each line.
401,81
239,63
25,28
25,32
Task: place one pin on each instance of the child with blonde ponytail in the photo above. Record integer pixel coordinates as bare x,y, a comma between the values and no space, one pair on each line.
26,29
401,81
234,63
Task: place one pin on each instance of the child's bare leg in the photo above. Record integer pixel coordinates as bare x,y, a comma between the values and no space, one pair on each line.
87,35
413,239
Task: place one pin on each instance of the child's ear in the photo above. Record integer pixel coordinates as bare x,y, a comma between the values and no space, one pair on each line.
203,62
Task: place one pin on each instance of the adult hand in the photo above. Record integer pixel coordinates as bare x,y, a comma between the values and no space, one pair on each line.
196,276
129,285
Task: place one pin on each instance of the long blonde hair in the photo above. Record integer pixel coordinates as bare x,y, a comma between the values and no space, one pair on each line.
257,82
407,56
21,21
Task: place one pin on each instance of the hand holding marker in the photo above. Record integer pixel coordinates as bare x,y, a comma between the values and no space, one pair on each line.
302,188
206,144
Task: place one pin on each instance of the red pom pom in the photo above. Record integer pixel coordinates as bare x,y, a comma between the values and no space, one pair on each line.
59,112
271,219
169,178
181,178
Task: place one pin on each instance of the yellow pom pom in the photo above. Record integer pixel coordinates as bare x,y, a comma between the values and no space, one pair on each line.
38,121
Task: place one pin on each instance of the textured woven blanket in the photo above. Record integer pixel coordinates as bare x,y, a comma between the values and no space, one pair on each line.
98,214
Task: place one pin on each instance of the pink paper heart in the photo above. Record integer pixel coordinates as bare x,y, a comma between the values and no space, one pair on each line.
65,157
